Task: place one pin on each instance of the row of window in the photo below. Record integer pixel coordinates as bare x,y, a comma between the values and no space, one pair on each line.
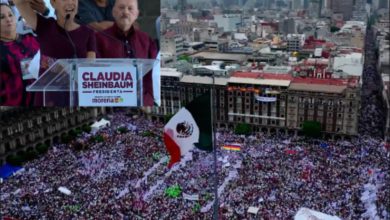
39,120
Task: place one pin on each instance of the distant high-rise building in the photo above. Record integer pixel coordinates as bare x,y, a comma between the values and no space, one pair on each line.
267,4
229,22
242,2
359,10
320,5
305,4
344,7
327,4
383,4
228,3
296,4
182,4
315,8
295,42
287,26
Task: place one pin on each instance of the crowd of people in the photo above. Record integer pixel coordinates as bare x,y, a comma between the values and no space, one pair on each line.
126,177
372,118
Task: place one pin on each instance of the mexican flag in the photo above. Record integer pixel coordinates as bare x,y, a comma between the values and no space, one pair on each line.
189,127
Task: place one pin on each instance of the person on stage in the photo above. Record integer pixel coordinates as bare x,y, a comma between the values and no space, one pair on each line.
59,39
96,13
123,40
17,51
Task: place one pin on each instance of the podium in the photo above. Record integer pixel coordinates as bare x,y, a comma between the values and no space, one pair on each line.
94,82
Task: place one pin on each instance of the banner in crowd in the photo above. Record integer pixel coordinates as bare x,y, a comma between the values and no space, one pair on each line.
272,92
64,190
253,210
173,191
265,98
73,208
290,152
116,86
193,197
324,145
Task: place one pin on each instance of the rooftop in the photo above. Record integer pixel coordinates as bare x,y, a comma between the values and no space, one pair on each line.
221,56
351,82
259,81
317,88
262,75
172,72
261,78
277,69
204,80
316,61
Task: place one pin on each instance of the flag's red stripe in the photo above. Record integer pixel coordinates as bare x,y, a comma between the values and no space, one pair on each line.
173,149
232,146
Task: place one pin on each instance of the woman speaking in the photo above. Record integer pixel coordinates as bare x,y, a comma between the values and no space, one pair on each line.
59,39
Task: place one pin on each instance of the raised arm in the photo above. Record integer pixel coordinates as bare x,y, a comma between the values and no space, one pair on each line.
26,11
40,7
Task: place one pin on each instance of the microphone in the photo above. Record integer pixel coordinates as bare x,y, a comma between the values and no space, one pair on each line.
124,45
67,17
73,73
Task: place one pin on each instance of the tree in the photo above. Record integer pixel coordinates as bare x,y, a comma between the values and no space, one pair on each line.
30,155
99,138
311,129
184,57
167,118
78,131
65,138
74,133
14,160
22,155
42,148
147,134
334,29
122,130
86,128
243,128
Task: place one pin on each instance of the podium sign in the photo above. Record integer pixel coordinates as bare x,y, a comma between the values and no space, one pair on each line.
94,82
111,86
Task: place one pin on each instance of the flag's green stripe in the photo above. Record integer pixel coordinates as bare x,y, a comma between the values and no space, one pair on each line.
200,109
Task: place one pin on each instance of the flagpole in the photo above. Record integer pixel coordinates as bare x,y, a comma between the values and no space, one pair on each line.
216,202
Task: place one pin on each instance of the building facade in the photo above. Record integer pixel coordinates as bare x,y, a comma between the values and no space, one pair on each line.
335,106
344,7
270,102
23,129
295,42
173,44
229,22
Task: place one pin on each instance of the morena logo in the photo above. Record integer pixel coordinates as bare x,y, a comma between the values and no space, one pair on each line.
184,129
108,100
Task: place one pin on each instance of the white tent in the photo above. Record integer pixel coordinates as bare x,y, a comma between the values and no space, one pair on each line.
99,125
310,214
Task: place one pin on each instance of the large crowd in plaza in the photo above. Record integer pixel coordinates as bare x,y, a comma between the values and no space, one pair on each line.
126,177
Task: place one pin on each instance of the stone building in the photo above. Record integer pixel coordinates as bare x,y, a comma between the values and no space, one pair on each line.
269,102
23,128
